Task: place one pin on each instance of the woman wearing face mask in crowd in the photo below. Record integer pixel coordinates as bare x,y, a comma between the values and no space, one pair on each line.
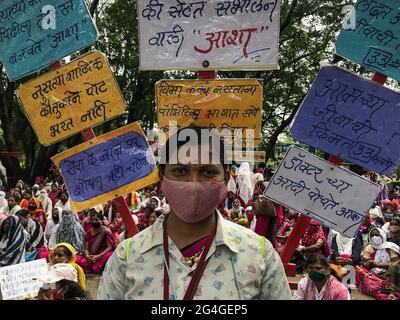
55,218
378,255
37,213
100,244
320,284
394,231
70,231
193,252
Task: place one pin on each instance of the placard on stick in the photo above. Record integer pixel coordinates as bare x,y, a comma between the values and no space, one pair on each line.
338,198
352,118
214,35
17,281
107,167
221,104
376,35
35,33
77,96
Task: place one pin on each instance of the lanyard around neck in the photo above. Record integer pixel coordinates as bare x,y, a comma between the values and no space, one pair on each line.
198,273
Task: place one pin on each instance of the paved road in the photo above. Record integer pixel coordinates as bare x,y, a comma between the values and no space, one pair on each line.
92,283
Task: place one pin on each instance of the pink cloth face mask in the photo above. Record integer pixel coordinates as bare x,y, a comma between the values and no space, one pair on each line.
193,201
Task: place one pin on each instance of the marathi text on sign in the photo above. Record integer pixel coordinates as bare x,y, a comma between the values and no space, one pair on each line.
79,95
229,105
107,167
338,198
194,35
351,117
33,34
377,35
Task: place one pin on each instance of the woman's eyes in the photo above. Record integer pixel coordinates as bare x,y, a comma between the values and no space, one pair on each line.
210,172
179,171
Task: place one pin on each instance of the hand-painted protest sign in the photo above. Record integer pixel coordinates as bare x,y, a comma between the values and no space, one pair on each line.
77,96
18,281
352,118
107,167
377,35
227,105
215,35
35,33
338,198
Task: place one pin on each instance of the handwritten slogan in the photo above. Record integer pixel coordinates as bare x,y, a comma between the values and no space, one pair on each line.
353,118
377,35
336,197
79,95
35,33
226,105
198,34
107,167
18,281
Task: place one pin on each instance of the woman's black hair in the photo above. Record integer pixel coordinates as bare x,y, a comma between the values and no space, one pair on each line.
165,153
317,258
23,213
74,290
95,213
151,208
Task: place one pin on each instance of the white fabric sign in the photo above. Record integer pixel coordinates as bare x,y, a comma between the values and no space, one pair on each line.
209,34
17,281
337,197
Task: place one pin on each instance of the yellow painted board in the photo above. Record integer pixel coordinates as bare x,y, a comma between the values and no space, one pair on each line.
74,97
222,104
107,167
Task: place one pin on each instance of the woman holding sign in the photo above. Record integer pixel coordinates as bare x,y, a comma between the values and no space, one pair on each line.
193,252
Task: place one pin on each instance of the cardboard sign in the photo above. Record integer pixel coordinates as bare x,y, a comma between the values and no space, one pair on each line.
35,33
107,167
214,35
17,281
377,37
79,95
221,104
352,118
338,198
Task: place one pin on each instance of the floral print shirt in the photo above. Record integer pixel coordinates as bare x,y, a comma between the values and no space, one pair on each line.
242,265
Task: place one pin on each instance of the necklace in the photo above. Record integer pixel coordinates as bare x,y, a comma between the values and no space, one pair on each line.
191,261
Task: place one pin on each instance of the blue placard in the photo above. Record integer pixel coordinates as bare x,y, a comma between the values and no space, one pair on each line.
353,118
107,166
35,33
375,40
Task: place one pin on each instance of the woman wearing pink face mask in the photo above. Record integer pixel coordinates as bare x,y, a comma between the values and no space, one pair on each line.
193,252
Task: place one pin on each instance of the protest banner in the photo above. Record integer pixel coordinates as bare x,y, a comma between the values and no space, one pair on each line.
18,281
33,34
377,35
79,95
337,197
107,167
352,118
221,104
215,35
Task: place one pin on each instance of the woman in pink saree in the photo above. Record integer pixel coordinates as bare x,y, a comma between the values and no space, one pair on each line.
100,244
